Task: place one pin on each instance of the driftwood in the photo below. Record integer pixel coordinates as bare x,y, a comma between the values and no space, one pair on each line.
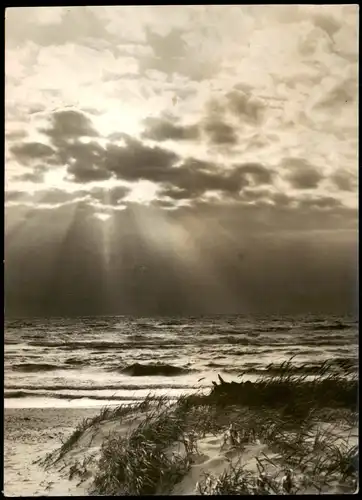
238,389
225,384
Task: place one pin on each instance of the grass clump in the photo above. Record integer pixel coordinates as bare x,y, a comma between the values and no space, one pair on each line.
107,413
141,463
290,390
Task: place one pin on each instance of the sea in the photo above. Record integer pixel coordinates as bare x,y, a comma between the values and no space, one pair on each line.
96,361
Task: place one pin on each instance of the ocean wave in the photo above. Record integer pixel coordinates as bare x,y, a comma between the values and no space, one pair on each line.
37,367
94,387
74,361
99,345
138,370
330,326
215,365
37,394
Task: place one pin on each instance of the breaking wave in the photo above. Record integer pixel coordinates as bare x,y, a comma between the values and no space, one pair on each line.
35,367
139,370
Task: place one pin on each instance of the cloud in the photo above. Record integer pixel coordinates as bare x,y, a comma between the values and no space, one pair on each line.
58,197
66,131
13,195
35,176
301,174
255,173
193,178
129,159
137,161
82,173
344,181
323,202
27,152
54,26
219,132
69,124
16,135
159,129
246,107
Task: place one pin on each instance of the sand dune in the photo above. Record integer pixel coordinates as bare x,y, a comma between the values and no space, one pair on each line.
32,434
277,435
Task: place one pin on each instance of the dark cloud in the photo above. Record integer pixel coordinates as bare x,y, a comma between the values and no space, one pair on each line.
13,195
248,108
193,178
80,155
83,172
129,159
137,161
134,160
84,160
282,200
69,124
36,175
219,132
159,129
301,174
27,152
344,180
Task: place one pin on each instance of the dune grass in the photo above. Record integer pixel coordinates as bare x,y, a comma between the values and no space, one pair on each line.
283,412
107,413
138,463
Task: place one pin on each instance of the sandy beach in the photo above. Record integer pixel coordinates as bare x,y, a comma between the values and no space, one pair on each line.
192,446
30,434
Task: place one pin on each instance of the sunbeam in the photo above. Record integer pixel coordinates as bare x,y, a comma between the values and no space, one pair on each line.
179,242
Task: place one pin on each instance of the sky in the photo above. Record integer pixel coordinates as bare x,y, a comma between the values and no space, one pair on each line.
181,159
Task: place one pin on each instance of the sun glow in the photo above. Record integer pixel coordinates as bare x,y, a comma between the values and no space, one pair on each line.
126,119
102,217
55,177
143,192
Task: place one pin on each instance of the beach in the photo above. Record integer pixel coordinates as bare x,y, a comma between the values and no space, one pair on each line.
73,384
62,374
30,434
191,446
